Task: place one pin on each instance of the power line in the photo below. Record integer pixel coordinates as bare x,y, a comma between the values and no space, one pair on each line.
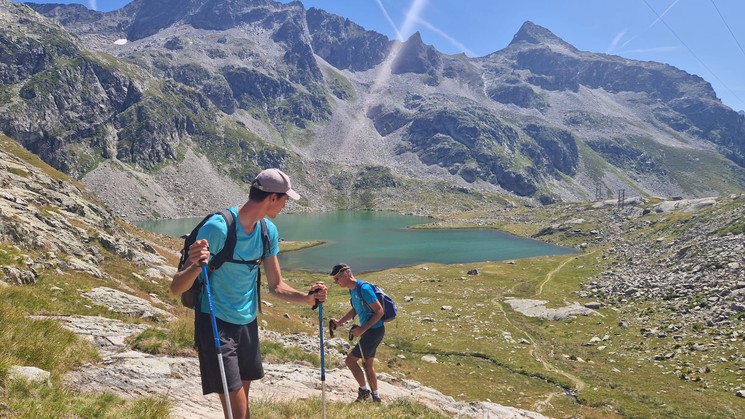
693,53
728,28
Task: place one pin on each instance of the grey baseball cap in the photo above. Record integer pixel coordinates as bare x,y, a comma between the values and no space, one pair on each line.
275,181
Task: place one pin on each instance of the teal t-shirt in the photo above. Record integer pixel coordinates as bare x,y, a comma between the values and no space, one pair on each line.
363,310
233,286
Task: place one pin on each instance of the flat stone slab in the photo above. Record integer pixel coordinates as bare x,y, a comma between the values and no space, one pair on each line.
132,374
537,308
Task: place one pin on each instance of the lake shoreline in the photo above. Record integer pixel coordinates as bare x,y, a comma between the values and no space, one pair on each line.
378,240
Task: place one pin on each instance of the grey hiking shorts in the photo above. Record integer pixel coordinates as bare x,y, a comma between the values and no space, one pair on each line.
240,349
369,343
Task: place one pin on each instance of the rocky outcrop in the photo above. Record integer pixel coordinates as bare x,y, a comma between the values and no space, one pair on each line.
55,224
414,56
470,142
132,374
557,149
697,272
343,43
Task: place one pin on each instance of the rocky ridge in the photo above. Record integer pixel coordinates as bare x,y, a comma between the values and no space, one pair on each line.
56,224
247,84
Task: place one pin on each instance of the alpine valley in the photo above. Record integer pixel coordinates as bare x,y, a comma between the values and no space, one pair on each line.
142,102
169,108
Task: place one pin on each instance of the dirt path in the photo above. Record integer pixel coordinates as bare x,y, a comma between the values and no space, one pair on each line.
578,384
549,276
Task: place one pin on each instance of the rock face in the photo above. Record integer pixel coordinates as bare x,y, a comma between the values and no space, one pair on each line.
253,83
51,217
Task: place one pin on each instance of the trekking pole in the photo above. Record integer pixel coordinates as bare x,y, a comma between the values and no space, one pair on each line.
217,343
323,363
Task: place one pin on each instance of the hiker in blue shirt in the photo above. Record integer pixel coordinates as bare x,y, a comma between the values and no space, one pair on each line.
234,290
370,331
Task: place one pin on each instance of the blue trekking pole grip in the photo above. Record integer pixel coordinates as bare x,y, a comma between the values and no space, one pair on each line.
217,342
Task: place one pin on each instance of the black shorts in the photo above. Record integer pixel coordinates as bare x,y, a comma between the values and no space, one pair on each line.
241,353
369,343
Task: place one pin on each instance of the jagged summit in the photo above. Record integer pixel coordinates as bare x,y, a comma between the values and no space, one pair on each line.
535,34
254,83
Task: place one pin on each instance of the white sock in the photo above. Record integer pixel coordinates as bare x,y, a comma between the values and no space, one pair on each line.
375,393
365,388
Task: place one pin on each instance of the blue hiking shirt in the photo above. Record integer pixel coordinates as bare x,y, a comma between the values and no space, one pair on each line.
233,286
363,310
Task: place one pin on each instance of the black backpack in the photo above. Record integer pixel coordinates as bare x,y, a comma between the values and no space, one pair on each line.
190,297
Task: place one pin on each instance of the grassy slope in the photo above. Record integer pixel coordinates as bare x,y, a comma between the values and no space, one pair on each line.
556,370
477,342
476,361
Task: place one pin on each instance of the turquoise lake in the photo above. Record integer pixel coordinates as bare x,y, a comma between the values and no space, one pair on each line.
372,241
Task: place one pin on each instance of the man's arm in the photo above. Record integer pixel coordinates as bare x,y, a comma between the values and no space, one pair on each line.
378,313
199,254
281,289
344,319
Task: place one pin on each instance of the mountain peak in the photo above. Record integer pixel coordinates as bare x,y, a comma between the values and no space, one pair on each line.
535,34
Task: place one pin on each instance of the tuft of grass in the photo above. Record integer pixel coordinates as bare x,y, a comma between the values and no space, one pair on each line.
177,339
40,343
311,408
24,400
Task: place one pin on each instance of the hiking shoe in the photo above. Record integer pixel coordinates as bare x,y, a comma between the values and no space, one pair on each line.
376,399
362,395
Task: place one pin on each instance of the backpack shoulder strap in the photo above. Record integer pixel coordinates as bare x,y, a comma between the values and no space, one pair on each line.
265,239
231,242
359,292
229,247
266,244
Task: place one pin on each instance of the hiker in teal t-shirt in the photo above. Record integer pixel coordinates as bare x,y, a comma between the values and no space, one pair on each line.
234,293
233,286
370,331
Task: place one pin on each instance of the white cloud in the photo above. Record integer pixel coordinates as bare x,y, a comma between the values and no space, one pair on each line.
93,4
444,35
648,50
615,41
390,21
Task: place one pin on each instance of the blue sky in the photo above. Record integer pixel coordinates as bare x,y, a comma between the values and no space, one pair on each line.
702,37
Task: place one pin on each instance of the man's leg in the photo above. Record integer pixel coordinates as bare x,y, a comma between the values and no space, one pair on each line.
354,367
372,377
370,342
238,402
